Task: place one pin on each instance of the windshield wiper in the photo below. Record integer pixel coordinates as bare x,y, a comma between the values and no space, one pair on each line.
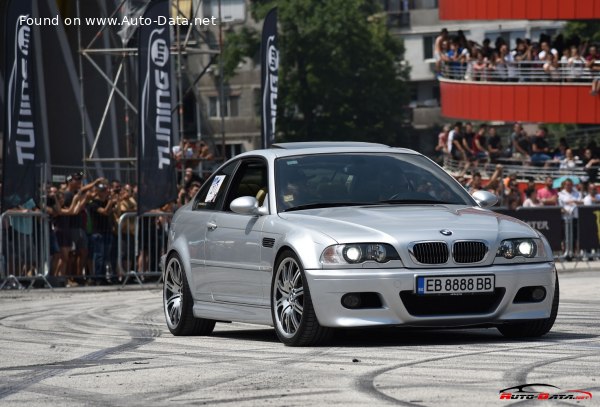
417,201
327,205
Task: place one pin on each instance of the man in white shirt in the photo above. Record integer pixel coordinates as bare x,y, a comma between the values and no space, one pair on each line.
569,199
545,49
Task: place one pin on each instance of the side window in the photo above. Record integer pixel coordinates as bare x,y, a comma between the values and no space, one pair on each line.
212,193
250,180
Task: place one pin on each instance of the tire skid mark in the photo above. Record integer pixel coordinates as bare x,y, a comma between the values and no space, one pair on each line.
207,384
282,397
366,383
137,340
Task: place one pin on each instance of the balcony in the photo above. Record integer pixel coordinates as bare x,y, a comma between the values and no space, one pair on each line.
519,9
526,93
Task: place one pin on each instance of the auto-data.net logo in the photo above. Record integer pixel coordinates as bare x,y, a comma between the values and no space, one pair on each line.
527,392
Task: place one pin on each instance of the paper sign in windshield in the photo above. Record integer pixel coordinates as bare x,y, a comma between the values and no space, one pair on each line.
214,188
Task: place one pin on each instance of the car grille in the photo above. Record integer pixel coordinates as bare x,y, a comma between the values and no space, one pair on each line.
436,305
431,252
469,252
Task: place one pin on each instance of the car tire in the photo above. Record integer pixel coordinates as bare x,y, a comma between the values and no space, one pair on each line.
533,328
292,310
178,303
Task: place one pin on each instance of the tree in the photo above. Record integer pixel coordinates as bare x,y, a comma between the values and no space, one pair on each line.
340,76
584,30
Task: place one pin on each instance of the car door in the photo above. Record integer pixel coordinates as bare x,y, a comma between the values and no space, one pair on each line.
233,241
195,224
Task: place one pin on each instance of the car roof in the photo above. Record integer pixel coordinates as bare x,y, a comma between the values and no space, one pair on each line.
321,144
324,147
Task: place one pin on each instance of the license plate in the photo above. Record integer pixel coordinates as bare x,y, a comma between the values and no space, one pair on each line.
455,284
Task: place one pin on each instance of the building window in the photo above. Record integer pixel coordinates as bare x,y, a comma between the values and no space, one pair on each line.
231,107
428,44
231,150
231,10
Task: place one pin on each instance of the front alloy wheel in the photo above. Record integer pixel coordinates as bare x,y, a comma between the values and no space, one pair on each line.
178,303
293,315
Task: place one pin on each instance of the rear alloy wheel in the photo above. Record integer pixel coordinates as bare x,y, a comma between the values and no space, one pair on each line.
292,311
178,303
534,328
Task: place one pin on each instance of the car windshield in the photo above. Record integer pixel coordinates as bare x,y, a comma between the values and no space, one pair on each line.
327,180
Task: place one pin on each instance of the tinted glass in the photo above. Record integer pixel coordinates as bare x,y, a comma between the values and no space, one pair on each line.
356,179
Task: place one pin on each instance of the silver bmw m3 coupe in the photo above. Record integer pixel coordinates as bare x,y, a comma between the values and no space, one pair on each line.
310,237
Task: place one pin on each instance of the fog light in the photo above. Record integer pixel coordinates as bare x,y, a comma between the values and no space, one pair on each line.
538,294
351,300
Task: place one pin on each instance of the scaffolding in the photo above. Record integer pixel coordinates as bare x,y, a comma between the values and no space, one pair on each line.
189,41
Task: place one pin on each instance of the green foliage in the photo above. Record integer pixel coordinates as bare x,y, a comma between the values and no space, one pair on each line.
236,46
586,30
340,76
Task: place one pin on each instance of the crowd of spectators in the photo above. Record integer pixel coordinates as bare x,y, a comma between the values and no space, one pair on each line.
84,230
480,147
472,146
189,153
548,59
84,216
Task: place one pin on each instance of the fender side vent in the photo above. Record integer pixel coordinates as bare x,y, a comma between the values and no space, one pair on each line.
268,242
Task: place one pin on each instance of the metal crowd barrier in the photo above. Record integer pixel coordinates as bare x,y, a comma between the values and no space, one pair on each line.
24,249
524,171
142,240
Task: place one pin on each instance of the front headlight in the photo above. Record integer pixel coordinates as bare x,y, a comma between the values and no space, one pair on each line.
356,253
527,248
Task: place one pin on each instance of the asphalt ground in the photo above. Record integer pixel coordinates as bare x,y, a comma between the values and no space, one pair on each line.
110,347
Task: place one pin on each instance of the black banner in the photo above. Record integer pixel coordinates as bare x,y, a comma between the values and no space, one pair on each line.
546,220
20,149
269,57
156,169
589,227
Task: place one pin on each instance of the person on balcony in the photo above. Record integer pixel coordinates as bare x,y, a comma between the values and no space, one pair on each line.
570,161
442,146
478,145
467,140
575,65
494,145
455,147
457,58
591,163
551,68
519,55
540,148
438,50
521,146
593,64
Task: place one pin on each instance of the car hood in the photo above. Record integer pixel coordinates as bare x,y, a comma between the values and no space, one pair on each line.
398,224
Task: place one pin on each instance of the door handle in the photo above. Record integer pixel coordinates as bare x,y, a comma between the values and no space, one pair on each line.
211,225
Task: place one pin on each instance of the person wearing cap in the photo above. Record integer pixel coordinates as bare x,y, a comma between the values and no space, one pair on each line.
100,210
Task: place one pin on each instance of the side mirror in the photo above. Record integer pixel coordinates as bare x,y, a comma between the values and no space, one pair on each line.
485,199
246,205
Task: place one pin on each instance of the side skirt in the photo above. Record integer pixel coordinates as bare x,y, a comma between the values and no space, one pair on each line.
222,311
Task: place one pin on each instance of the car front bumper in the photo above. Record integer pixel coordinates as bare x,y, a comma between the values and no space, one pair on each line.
327,287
